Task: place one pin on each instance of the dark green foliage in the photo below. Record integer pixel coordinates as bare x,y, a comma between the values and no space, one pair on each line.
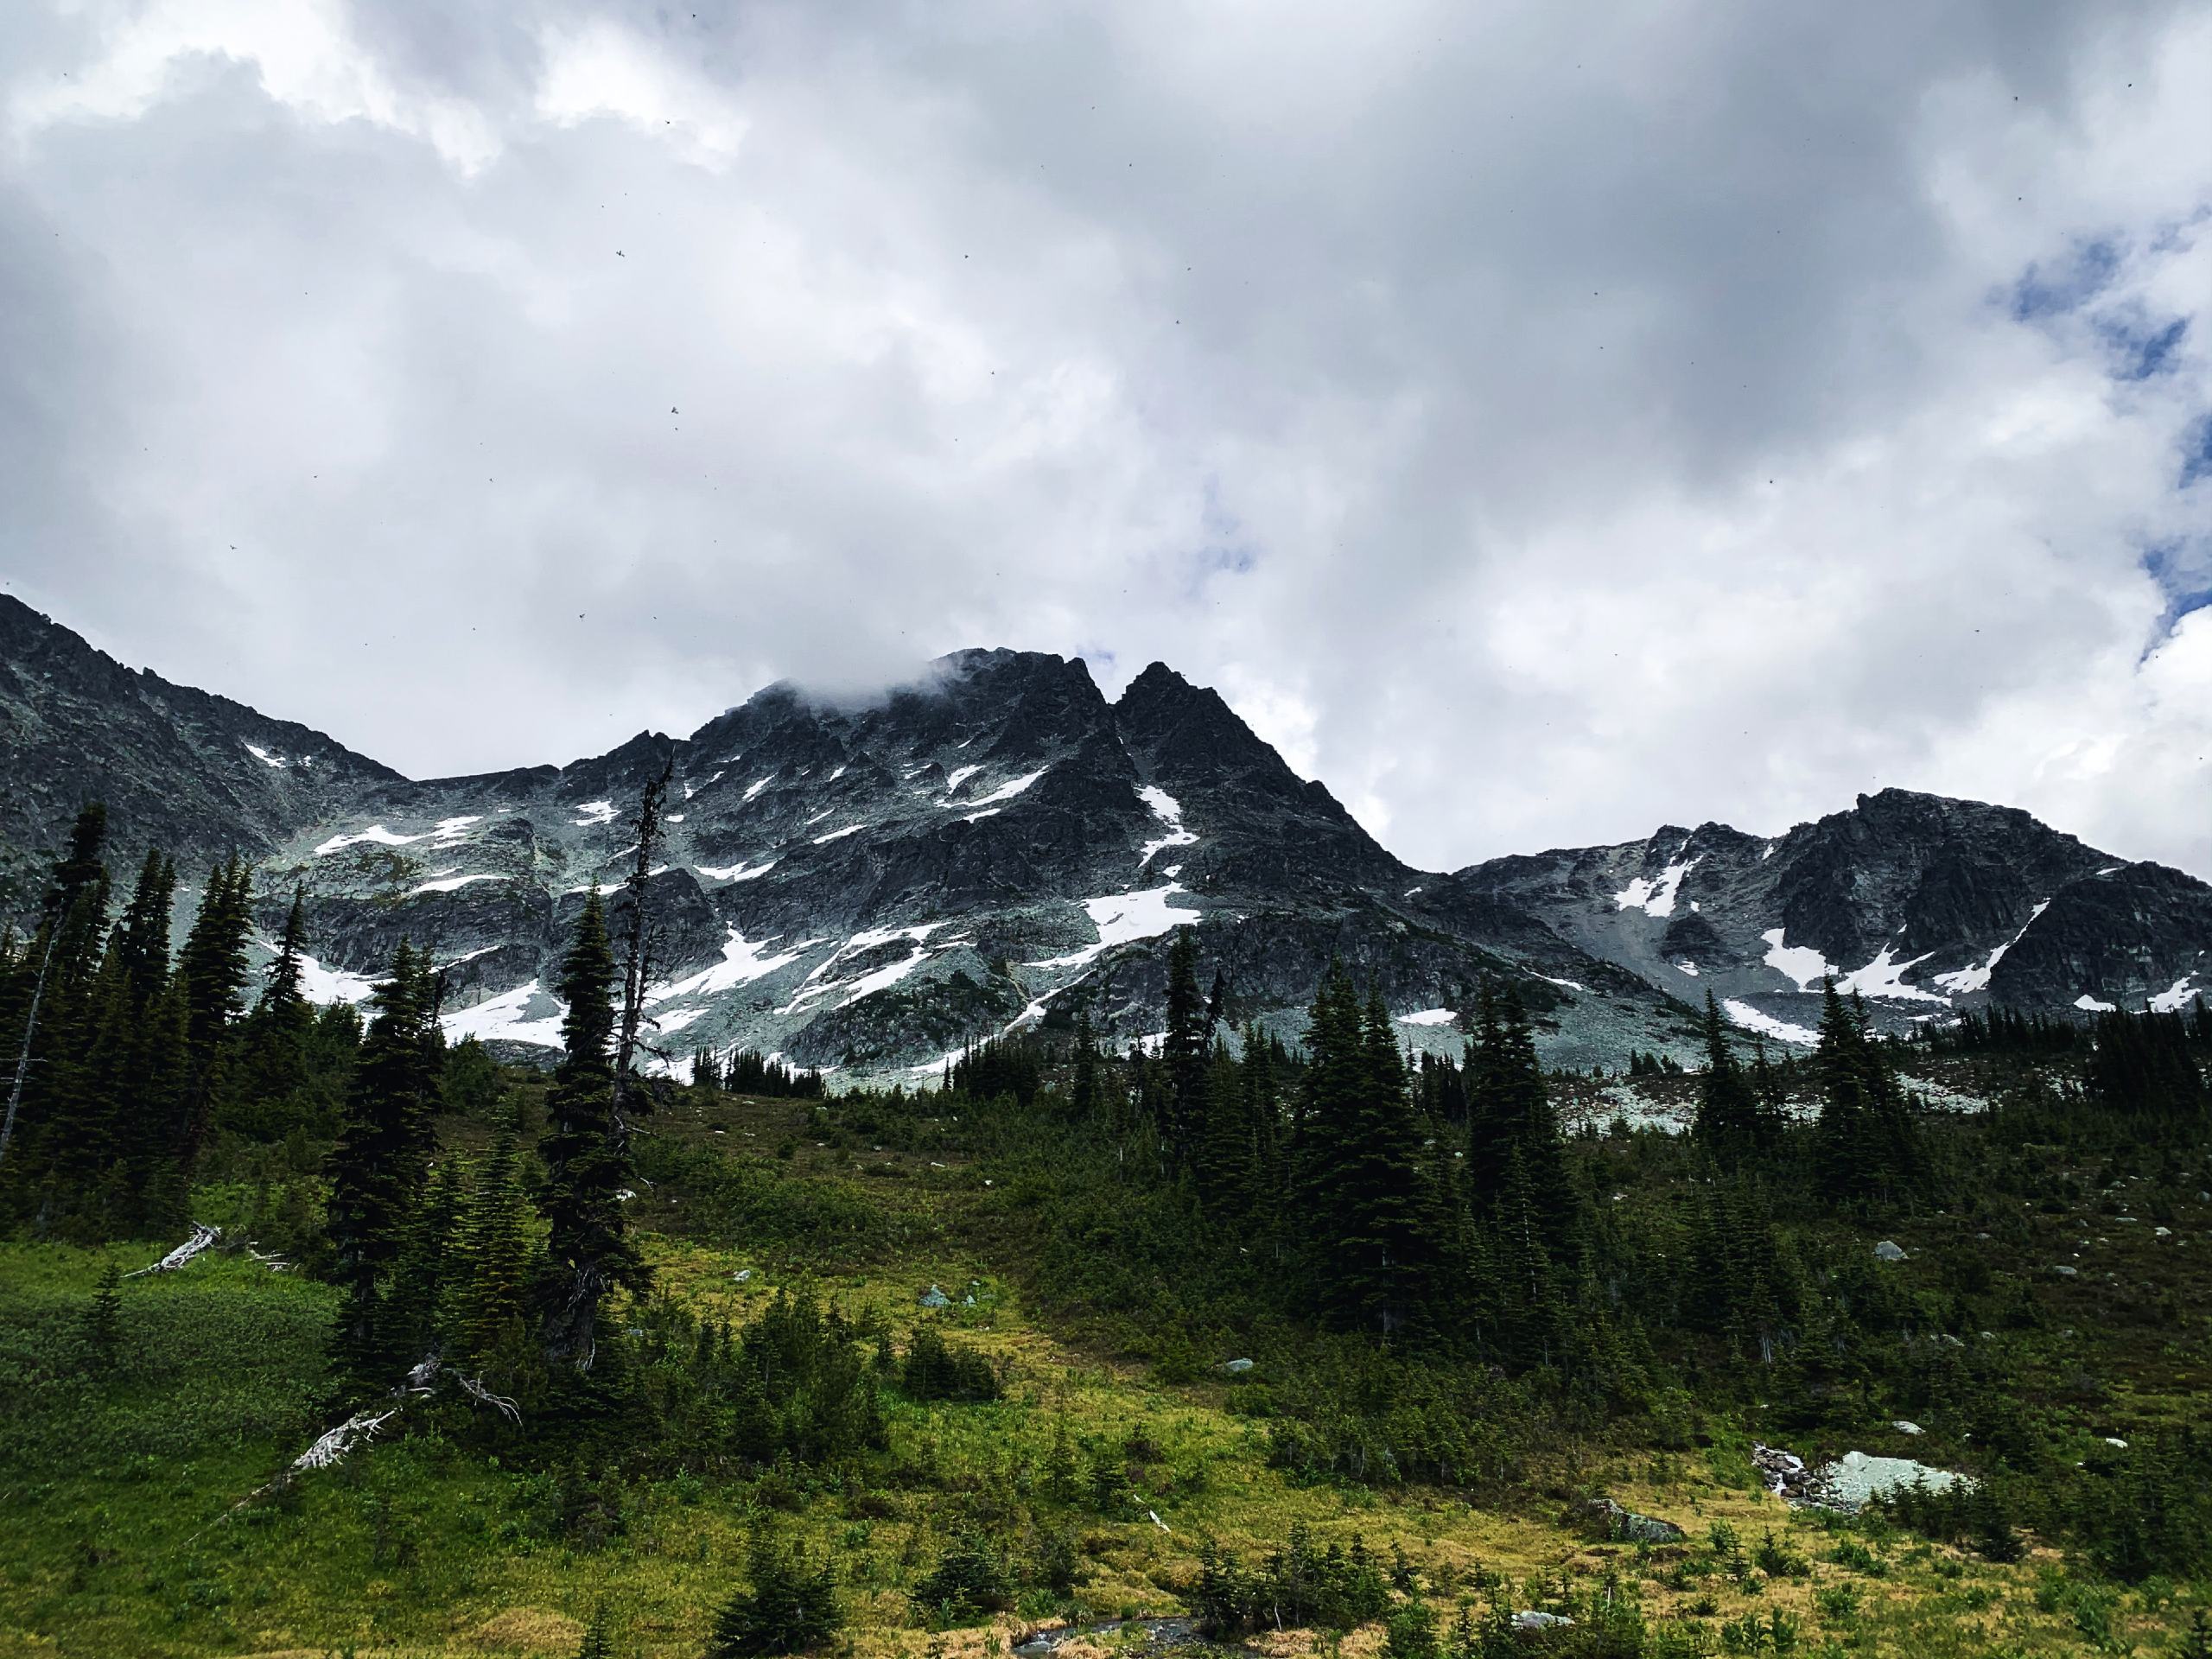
378,1168
104,1320
1011,1065
790,1607
1731,1119
1864,1145
748,1071
2142,1065
1295,1585
936,1369
211,973
598,1641
1183,1051
971,1579
587,1253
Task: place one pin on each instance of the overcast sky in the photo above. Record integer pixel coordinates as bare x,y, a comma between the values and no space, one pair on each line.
1543,420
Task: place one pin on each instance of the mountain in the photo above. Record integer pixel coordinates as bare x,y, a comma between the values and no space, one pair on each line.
868,884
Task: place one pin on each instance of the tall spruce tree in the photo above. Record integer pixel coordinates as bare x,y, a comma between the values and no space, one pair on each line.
1865,1144
488,1289
377,1168
587,1164
211,973
1186,1049
1729,1121
1082,1092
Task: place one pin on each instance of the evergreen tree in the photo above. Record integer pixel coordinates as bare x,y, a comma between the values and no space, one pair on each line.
1864,1145
1185,1049
377,1168
211,973
1083,1093
408,1313
1223,1164
791,1608
272,1067
587,1164
1730,1119
490,1283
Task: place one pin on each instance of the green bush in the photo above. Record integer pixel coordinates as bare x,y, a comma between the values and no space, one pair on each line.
789,1608
970,1579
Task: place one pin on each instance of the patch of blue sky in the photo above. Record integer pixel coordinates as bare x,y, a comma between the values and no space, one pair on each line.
2139,350
2197,451
2183,573
2047,290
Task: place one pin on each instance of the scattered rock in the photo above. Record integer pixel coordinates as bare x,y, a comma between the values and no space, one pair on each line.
1535,1621
1236,1367
1623,1525
1889,1251
935,1297
2065,1271
742,1275
2113,1439
1904,1428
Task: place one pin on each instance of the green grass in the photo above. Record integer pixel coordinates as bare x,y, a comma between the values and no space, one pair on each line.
128,1527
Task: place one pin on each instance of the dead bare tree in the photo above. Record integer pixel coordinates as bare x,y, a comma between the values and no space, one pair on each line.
23,1061
640,942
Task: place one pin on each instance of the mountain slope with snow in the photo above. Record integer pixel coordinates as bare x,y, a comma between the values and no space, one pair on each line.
867,886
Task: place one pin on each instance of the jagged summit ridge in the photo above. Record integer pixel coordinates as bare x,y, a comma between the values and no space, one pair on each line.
868,882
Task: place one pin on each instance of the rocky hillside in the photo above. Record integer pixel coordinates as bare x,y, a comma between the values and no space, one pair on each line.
869,886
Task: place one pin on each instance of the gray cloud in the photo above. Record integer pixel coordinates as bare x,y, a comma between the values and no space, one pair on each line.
1539,429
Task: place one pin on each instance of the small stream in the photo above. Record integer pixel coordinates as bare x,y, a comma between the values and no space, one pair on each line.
1160,1635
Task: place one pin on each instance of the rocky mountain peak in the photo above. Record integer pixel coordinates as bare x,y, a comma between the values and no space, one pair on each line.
868,882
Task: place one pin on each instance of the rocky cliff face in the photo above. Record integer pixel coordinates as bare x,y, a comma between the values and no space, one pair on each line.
867,886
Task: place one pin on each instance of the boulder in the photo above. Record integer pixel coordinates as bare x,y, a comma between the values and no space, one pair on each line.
935,1297
1889,1251
1621,1524
1536,1621
1236,1367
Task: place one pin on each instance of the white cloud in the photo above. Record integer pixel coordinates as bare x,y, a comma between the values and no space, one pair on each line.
1538,436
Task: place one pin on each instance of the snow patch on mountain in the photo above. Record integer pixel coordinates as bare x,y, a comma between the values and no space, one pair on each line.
2176,997
1744,1014
960,775
1007,791
839,835
448,882
1689,968
1429,1017
2089,1004
742,962
689,789
594,812
1974,977
267,758
1169,811
735,872
1802,965
1122,918
1654,897
506,1017
447,832
1885,977
757,785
